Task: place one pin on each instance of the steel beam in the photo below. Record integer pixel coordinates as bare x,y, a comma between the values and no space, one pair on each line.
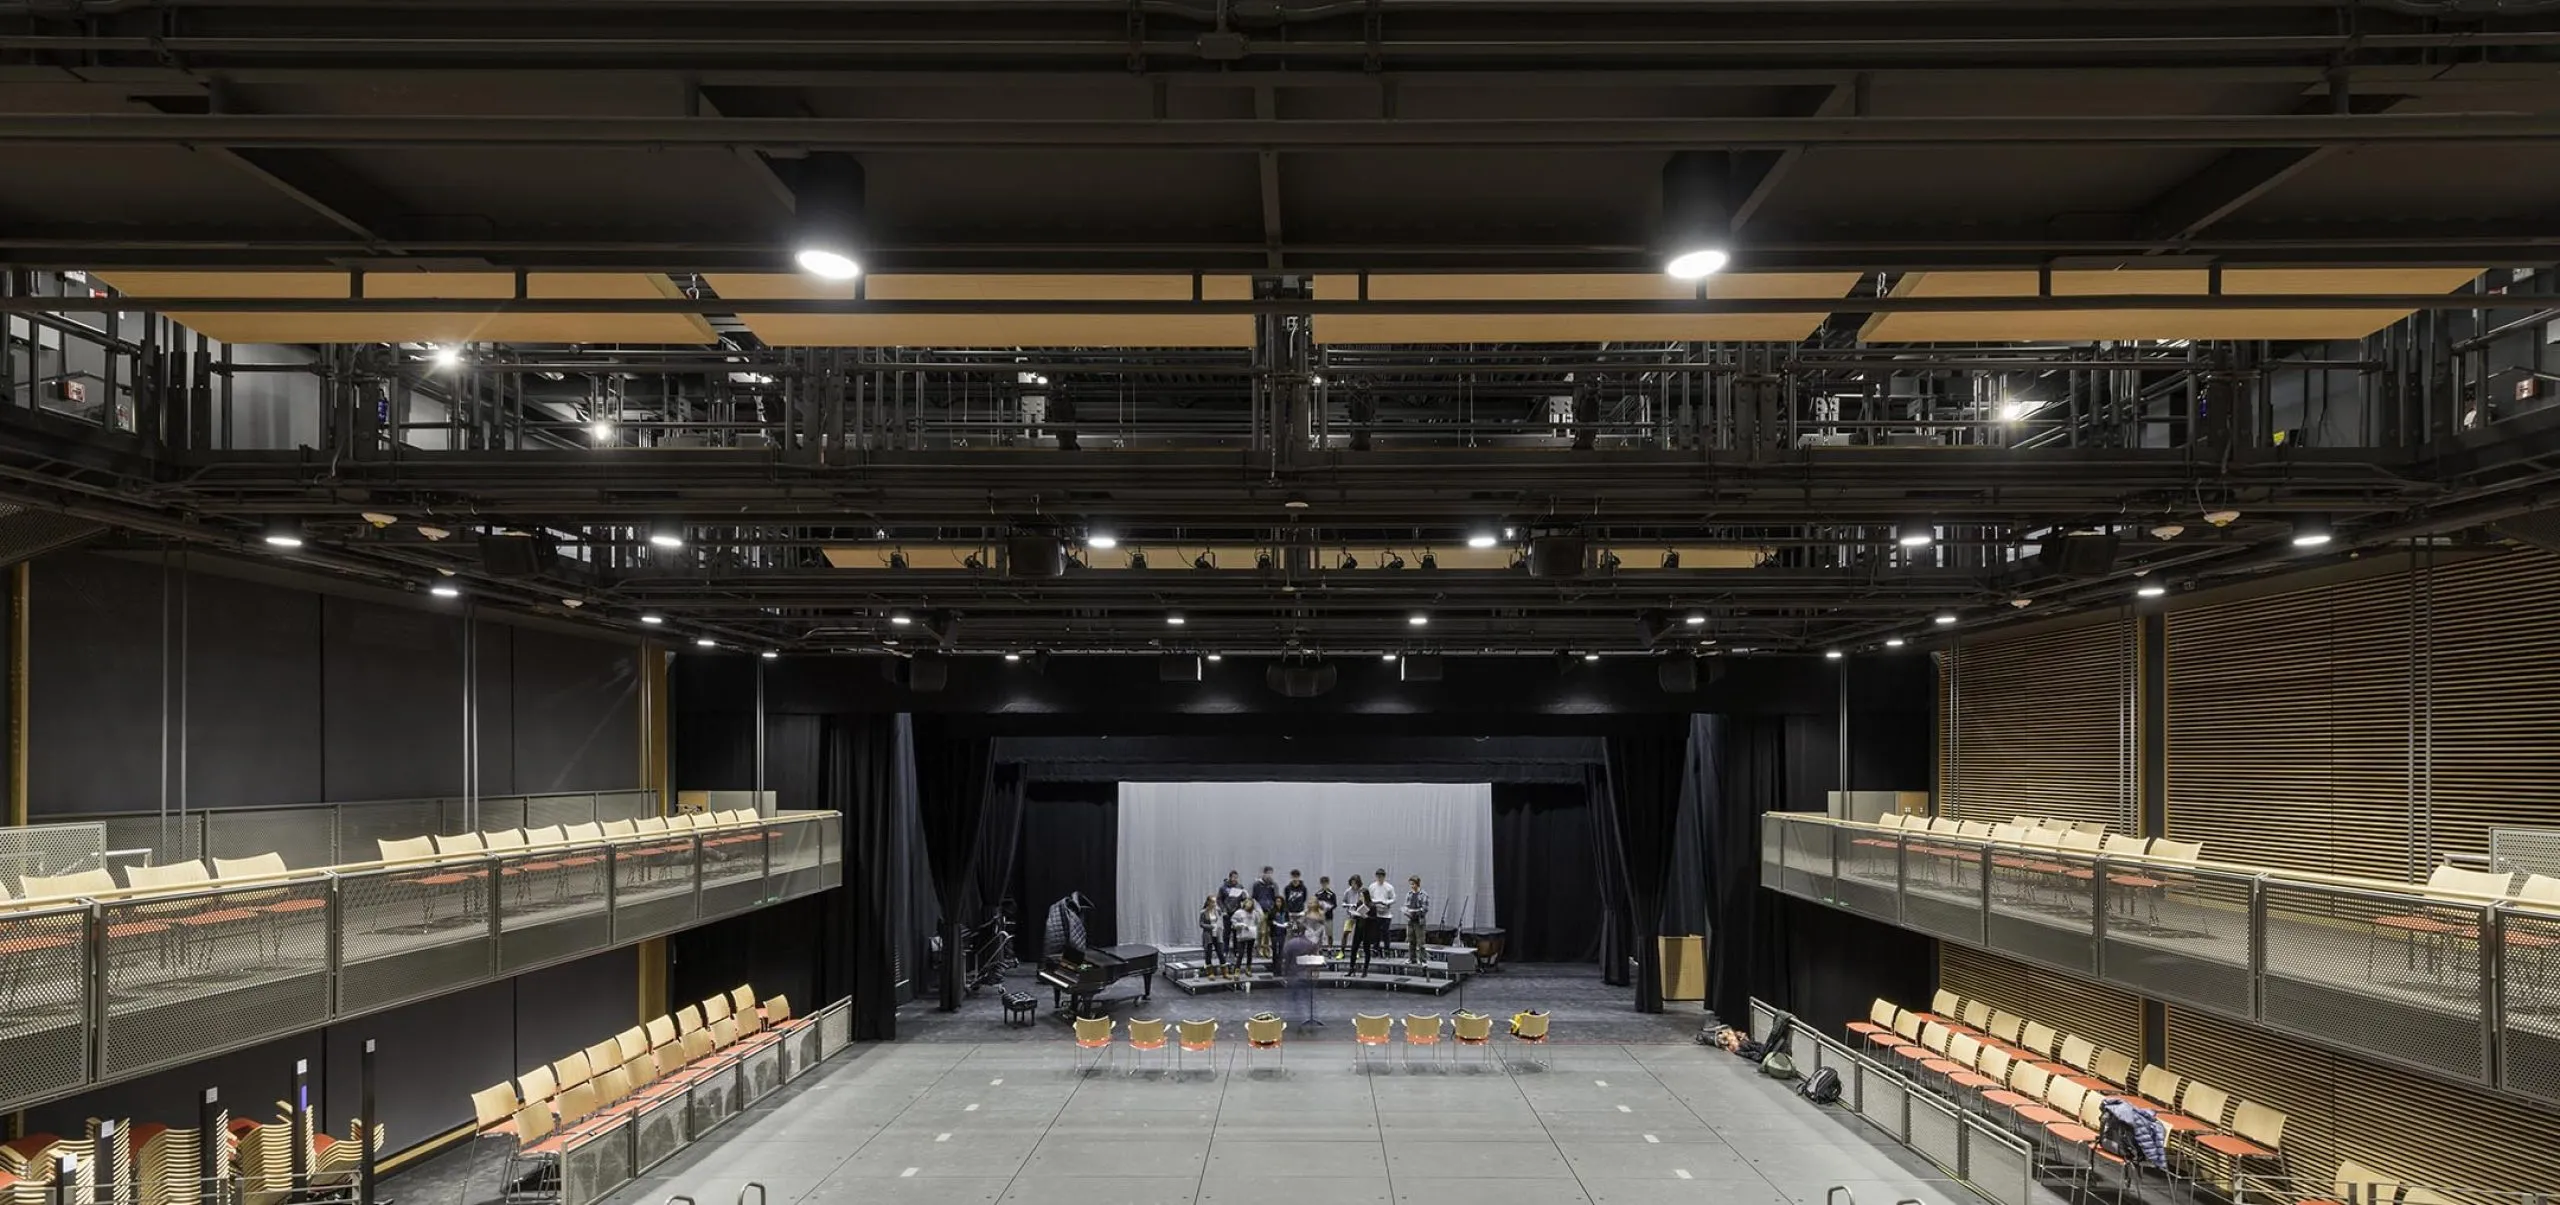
1235,135
1679,307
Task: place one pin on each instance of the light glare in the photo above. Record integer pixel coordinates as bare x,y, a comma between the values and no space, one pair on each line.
826,264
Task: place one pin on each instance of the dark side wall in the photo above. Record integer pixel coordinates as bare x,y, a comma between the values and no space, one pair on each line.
263,693
273,692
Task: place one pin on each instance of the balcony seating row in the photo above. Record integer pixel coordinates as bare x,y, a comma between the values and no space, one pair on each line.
549,1107
2050,1086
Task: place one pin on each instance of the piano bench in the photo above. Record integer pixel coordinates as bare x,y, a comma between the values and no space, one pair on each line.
1019,1007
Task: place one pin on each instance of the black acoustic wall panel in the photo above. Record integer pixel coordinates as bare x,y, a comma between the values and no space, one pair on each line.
429,1058
252,723
251,1082
578,703
93,686
497,706
577,1004
393,677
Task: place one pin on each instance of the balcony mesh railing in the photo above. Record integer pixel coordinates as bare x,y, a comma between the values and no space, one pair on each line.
2458,987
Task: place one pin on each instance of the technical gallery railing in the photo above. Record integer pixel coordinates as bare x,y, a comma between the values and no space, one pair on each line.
2457,986
106,988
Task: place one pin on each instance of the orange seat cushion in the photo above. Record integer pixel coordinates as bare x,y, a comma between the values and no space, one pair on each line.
1968,1079
2235,1146
2073,1132
2043,1116
2006,1100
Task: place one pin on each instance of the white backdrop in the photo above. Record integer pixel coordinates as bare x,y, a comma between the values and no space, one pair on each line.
1178,840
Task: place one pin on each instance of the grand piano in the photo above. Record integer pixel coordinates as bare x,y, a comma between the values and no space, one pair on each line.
1078,978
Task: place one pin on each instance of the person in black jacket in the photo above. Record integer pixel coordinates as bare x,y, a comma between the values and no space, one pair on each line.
1292,910
1266,901
1326,903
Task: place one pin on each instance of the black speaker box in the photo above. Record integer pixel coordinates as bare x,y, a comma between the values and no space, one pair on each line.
1034,556
519,556
923,673
1421,667
1558,556
1676,674
1178,667
2078,556
1301,681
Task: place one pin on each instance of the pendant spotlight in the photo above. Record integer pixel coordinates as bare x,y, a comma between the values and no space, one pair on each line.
827,211
1697,223
1915,534
2311,531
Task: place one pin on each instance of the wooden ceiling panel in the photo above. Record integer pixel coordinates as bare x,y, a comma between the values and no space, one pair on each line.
1572,328
994,329
325,327
2028,323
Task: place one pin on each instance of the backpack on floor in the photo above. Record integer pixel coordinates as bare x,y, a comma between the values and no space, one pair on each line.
1822,1087
1776,1065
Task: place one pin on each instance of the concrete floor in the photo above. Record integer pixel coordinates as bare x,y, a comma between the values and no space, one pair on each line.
962,1109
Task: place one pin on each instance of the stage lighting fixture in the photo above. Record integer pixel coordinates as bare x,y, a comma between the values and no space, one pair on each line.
900,619
1174,618
284,535
1137,558
1915,534
1102,540
2222,518
1697,222
1388,657
2022,603
1946,619
827,193
2311,531
1429,561
1832,654
1217,657
1670,558
897,558
1418,618
666,535
1591,656
1013,656
1482,539
2168,531
771,655
1262,562
1696,619
1395,560
974,562
1206,560
705,642
2147,588
445,357
601,431
1894,642
441,590
653,620
1350,562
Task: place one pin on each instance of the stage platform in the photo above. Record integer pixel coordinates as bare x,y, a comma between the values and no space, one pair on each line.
1432,976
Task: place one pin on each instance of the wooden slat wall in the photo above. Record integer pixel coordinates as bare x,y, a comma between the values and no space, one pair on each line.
2422,1129
2369,727
2039,724
2102,1014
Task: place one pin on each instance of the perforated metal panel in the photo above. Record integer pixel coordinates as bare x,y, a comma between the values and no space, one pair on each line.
798,863
215,969
2040,724
1808,865
1870,879
714,1098
1764,1020
2181,935
50,849
496,814
307,837
552,907
653,888
2001,1165
760,1072
1884,1099
1773,841
2529,1047
732,872
362,827
1935,1132
2525,850
2377,972
625,805
835,1028
543,810
1942,893
597,1162
412,933
2044,907
658,1131
799,1051
44,1004
1815,1052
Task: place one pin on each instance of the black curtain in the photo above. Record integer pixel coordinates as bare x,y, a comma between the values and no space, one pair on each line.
853,761
953,773
1609,870
1748,775
1648,764
1070,842
1546,878
999,848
